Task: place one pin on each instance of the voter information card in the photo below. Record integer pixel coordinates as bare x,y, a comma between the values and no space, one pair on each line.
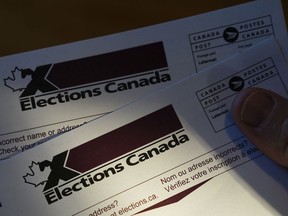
51,91
152,154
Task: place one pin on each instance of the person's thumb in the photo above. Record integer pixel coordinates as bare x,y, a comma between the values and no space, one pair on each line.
262,116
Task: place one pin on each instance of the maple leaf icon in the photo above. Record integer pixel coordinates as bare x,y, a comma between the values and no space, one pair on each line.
17,82
36,177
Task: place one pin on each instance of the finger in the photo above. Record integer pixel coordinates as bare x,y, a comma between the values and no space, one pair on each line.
262,116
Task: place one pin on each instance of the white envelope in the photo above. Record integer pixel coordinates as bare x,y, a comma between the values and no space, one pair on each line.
177,151
51,91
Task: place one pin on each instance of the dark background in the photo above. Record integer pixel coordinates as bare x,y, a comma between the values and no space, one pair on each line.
33,24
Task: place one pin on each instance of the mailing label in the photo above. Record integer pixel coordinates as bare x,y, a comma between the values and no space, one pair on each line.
217,98
48,92
207,46
150,153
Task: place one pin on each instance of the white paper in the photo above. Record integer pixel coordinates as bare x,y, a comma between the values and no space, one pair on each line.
51,91
157,148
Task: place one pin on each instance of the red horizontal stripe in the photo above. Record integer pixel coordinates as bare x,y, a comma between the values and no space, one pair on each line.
108,66
124,139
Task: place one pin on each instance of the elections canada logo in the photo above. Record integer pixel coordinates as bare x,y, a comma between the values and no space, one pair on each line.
29,82
19,80
84,78
37,176
49,173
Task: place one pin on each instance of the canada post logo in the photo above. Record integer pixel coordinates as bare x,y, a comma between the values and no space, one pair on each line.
73,80
102,158
231,34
